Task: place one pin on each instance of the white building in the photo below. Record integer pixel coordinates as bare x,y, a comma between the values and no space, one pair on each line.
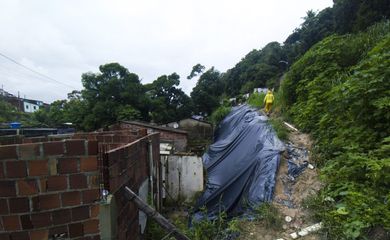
30,106
260,90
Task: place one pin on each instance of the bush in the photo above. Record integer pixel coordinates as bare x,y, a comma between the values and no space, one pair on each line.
218,115
270,215
280,128
256,100
339,92
218,229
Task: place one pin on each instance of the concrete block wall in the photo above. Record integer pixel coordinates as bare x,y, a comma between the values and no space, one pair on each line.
49,188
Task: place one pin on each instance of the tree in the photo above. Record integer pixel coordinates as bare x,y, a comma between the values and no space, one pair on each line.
196,70
260,67
109,90
7,112
168,102
207,92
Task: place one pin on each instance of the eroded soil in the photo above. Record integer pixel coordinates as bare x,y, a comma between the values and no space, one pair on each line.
288,198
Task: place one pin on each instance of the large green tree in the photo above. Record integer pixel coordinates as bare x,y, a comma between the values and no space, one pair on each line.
168,102
207,92
107,92
259,68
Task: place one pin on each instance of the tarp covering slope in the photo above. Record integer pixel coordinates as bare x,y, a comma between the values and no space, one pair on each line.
241,164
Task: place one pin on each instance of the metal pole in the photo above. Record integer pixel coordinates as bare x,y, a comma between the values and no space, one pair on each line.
150,212
150,151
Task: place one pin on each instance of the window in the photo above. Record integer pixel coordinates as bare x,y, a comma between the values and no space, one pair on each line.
35,107
26,106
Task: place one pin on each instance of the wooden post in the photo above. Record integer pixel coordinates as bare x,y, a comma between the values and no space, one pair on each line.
150,212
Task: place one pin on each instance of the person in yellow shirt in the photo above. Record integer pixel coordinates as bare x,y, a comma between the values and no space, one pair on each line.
268,100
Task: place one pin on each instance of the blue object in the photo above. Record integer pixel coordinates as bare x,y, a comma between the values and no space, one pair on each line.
241,165
15,125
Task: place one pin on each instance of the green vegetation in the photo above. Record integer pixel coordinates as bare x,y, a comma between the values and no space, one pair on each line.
207,93
339,91
9,113
116,94
219,114
333,73
331,77
256,100
205,229
269,215
280,128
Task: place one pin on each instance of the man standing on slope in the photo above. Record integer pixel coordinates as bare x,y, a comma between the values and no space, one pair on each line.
268,100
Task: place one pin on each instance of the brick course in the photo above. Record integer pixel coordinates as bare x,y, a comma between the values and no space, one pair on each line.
67,165
39,235
53,187
53,148
19,205
16,169
8,152
7,189
28,187
29,151
46,202
56,183
39,220
78,181
38,168
71,198
61,216
11,223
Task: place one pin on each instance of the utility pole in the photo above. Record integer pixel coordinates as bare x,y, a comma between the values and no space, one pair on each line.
19,101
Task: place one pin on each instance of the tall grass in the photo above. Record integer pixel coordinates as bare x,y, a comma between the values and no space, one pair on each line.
256,100
219,114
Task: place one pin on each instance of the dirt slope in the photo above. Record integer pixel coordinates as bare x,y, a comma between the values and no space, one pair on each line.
288,198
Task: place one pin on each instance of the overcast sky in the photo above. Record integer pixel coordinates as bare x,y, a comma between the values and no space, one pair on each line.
65,38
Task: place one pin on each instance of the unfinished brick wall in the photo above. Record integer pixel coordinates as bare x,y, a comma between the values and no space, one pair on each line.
175,136
129,166
49,188
112,139
56,183
20,139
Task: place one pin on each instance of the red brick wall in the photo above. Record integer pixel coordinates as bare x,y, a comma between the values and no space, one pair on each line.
129,166
49,188
179,140
52,187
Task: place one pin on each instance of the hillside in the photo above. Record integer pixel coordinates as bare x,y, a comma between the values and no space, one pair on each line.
339,92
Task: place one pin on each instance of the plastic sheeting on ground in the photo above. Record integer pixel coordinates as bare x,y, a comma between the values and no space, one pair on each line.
241,164
297,161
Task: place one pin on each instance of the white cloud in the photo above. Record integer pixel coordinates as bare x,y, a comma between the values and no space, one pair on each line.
66,38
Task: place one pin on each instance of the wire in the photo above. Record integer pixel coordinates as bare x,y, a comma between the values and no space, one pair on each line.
38,73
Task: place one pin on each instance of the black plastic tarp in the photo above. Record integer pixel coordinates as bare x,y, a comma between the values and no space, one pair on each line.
241,164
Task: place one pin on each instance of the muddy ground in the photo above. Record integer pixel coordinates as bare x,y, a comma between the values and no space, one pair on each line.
291,204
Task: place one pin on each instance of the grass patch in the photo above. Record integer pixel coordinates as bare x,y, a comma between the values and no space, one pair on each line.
280,128
219,114
270,215
256,100
218,229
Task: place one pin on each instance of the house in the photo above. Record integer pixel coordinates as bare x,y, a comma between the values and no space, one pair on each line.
260,90
167,134
30,106
197,129
200,133
22,104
